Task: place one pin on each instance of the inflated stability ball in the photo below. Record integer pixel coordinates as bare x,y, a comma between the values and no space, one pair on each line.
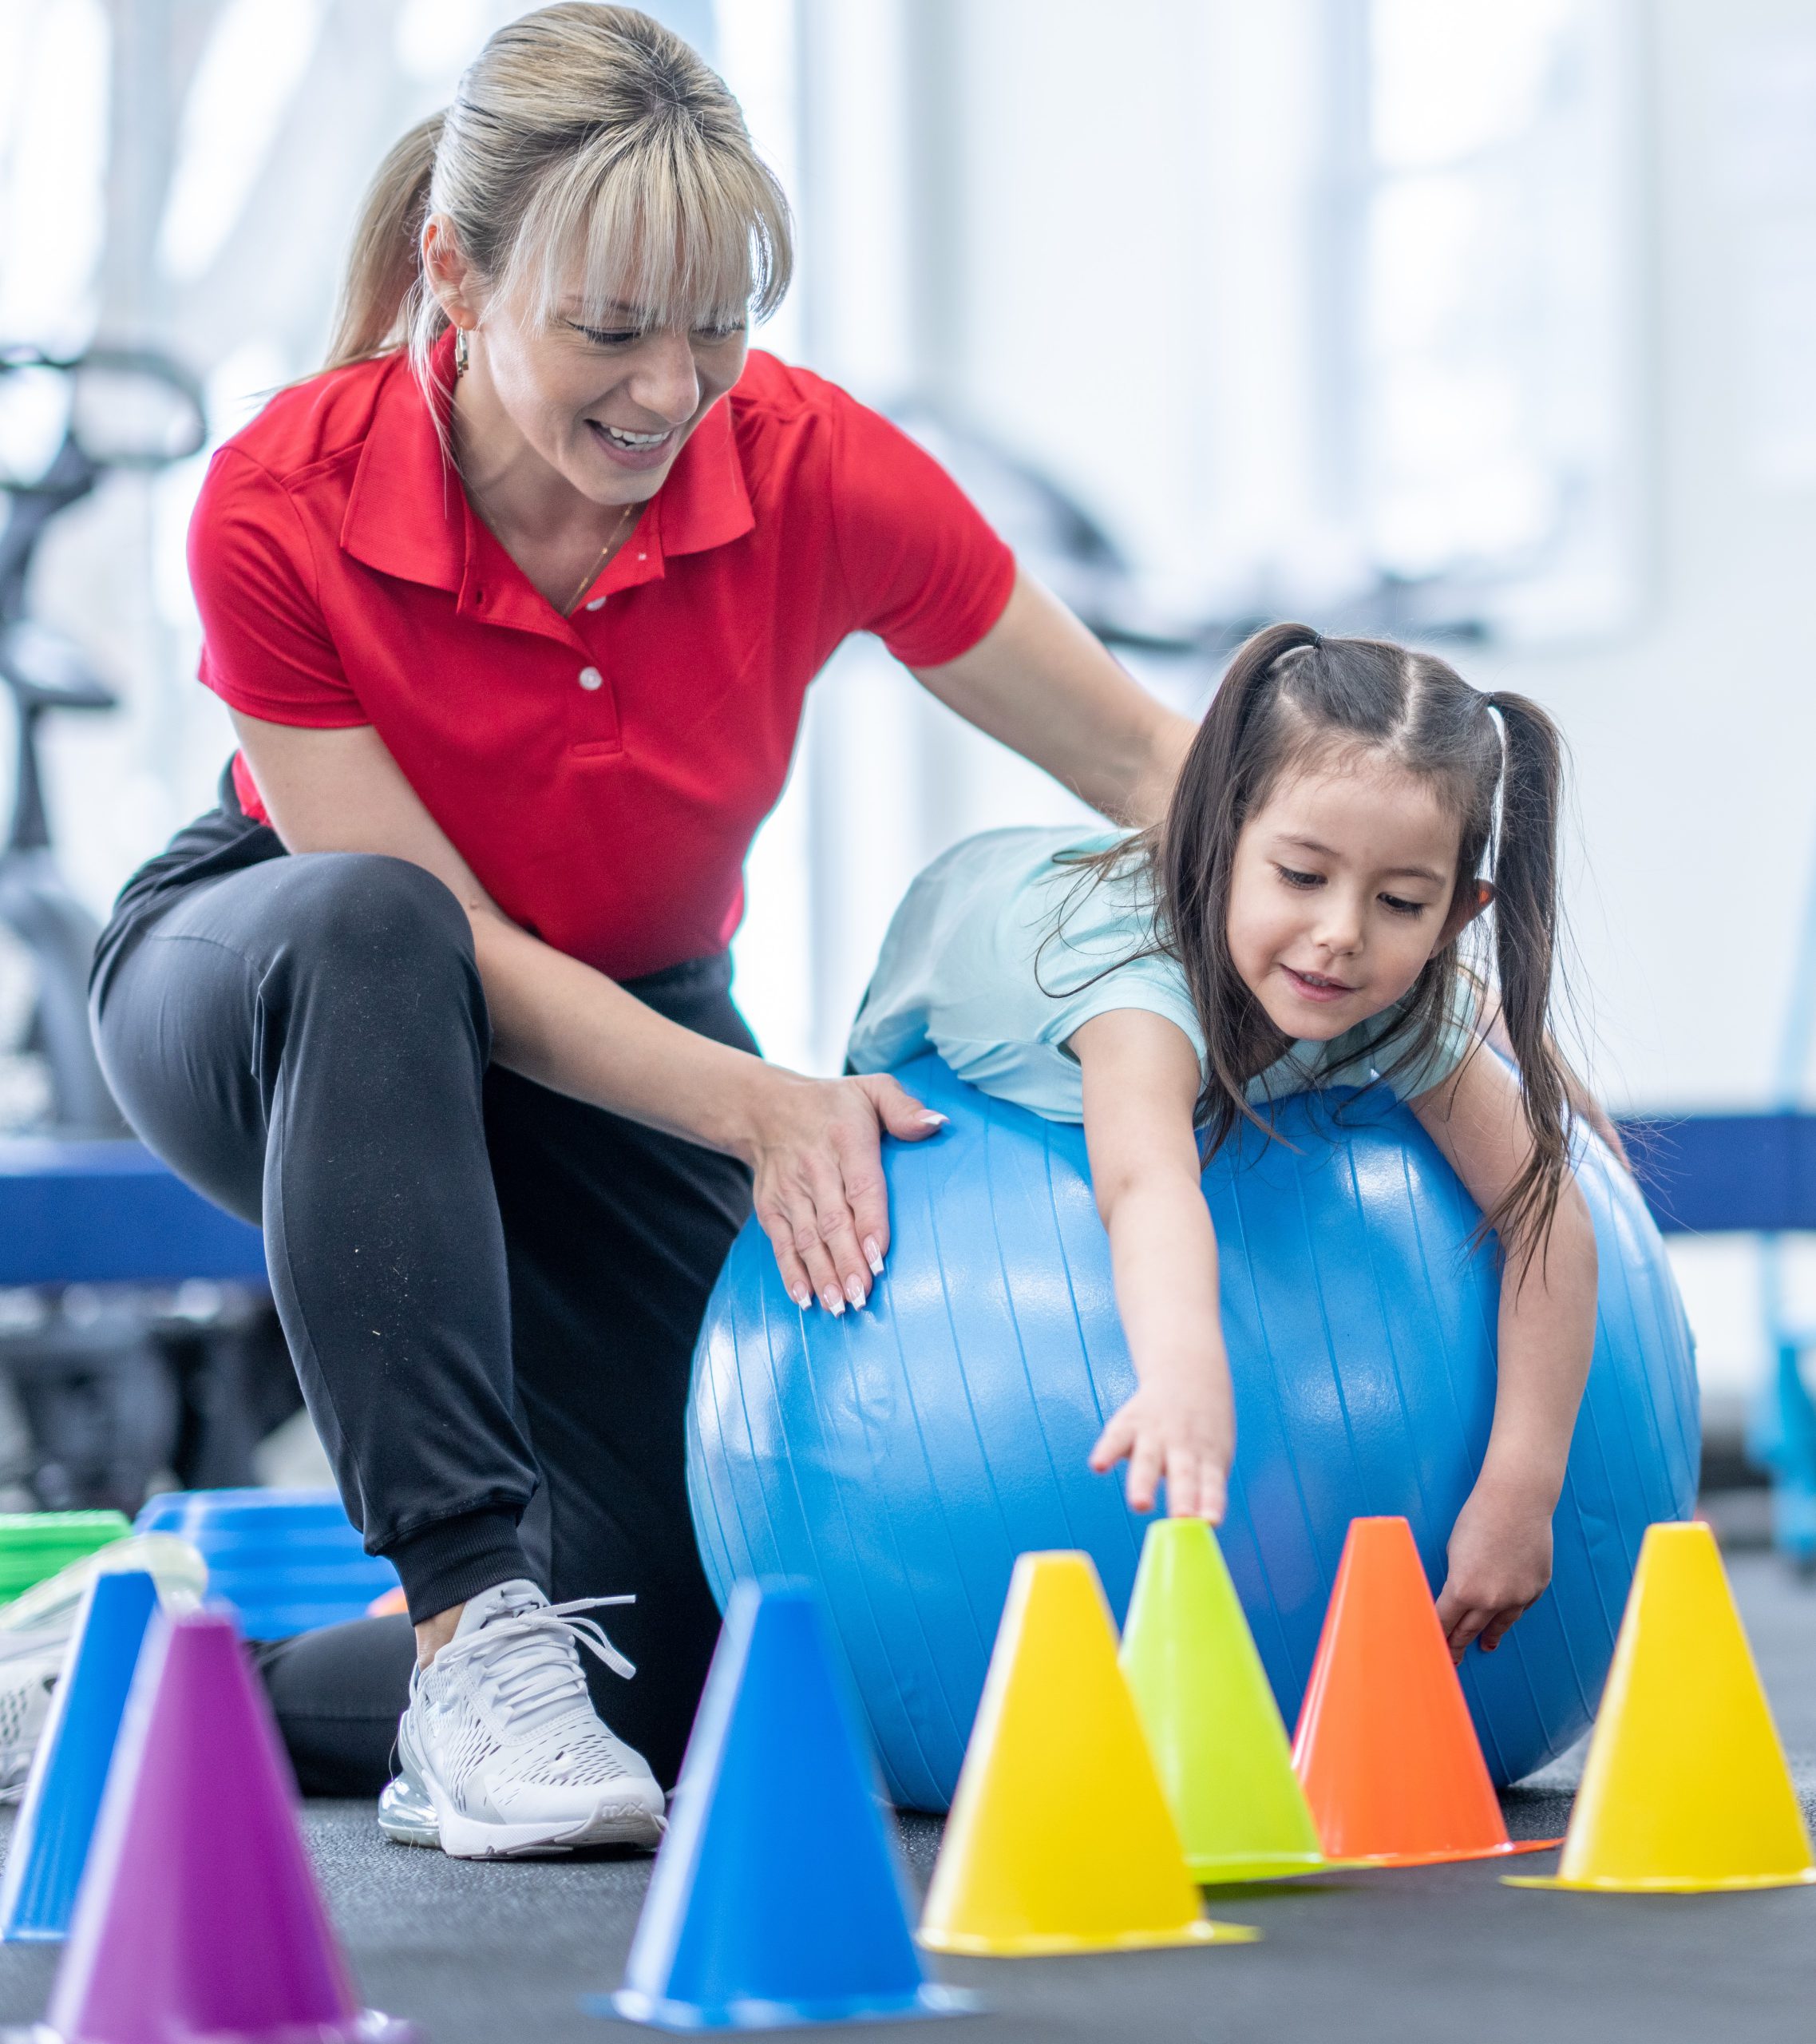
902,1457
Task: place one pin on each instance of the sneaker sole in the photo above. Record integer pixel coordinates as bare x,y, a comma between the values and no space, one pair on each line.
619,1824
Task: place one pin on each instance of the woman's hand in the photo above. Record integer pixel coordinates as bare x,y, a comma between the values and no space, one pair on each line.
815,1148
1181,1425
1500,1563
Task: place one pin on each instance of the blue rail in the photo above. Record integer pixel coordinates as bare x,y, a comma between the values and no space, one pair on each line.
109,1213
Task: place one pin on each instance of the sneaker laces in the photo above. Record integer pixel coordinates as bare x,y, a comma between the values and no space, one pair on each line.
533,1674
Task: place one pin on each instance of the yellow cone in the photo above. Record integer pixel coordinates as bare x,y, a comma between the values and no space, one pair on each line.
1060,1839
1686,1787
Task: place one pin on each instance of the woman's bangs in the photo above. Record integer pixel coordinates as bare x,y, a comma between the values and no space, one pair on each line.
659,238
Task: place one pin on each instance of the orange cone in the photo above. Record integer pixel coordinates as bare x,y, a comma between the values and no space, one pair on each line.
1385,1749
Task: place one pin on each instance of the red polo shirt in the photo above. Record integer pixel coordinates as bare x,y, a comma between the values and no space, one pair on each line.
603,773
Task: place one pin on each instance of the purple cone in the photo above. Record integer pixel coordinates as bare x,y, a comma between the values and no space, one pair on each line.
198,1914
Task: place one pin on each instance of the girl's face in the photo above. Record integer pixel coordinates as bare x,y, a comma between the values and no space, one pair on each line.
1340,892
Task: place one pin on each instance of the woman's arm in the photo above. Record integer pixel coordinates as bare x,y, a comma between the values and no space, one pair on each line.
1500,1550
1140,1077
1038,681
811,1144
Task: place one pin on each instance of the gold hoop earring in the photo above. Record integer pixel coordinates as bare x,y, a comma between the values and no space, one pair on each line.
460,350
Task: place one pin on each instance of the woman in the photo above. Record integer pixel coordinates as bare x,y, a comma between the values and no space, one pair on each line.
514,606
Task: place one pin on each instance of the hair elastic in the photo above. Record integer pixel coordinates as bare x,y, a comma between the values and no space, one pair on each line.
1492,851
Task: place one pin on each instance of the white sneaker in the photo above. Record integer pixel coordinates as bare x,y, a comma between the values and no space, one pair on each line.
500,1752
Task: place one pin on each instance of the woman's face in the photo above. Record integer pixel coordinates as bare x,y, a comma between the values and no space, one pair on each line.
607,408
1340,892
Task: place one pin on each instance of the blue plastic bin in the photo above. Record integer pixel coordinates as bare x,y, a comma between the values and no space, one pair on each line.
286,1561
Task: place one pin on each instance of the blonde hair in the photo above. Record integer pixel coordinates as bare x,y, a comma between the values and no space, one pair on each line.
587,148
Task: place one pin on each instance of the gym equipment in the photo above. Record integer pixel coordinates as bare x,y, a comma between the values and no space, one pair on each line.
900,1456
286,1561
777,1896
1385,1750
1060,1839
34,1545
1686,1788
1211,1720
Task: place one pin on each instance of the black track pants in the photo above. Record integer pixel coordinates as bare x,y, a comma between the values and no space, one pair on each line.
490,1291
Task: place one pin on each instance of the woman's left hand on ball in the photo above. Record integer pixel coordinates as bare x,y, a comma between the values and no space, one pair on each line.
815,1149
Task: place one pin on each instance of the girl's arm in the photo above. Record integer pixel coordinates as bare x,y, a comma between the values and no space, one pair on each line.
1499,1551
813,1145
1140,1076
1039,682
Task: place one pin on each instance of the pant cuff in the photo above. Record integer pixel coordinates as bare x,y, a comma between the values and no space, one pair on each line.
444,1564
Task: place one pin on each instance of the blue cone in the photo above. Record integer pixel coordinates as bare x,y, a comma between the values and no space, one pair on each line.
777,1898
69,1771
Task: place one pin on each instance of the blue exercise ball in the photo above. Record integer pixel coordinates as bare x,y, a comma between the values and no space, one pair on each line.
902,1457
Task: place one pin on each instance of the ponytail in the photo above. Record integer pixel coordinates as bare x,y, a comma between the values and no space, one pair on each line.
383,281
1525,944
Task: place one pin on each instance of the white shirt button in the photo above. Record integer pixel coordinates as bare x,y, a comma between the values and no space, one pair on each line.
598,602
591,678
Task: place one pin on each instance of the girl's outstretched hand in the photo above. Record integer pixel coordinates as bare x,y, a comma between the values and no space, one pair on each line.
815,1150
1181,1426
1500,1556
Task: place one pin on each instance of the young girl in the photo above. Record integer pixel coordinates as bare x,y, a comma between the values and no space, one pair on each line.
1292,924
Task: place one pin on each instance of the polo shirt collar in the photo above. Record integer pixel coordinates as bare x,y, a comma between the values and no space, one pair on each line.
407,514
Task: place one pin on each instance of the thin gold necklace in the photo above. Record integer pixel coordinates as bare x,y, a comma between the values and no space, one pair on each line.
591,575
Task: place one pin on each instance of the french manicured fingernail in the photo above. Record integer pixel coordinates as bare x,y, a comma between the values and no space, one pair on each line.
854,1290
801,1296
929,1119
873,1256
831,1301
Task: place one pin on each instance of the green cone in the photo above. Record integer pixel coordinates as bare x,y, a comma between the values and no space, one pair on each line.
1218,1742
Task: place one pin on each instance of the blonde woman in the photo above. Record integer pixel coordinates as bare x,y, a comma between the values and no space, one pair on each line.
514,606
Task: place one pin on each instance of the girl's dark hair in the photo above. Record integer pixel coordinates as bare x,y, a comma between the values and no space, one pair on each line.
1291,699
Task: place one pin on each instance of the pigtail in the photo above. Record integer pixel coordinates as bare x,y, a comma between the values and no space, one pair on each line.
1525,944
1214,794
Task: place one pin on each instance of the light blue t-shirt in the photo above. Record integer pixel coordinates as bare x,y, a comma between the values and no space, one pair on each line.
997,955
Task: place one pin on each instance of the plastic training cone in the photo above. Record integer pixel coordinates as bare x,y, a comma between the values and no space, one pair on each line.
1210,1716
197,1917
1060,1839
56,1820
1685,1788
1386,1750
776,1897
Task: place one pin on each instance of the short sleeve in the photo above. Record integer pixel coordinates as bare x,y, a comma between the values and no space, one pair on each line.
1099,956
1153,985
924,569
265,648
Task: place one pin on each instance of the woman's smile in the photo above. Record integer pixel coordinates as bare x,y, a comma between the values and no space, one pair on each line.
640,452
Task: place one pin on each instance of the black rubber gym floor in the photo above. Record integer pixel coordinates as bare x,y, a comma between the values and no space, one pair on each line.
483,1954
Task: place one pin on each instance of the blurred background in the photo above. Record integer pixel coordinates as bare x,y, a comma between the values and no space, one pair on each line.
1488,321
